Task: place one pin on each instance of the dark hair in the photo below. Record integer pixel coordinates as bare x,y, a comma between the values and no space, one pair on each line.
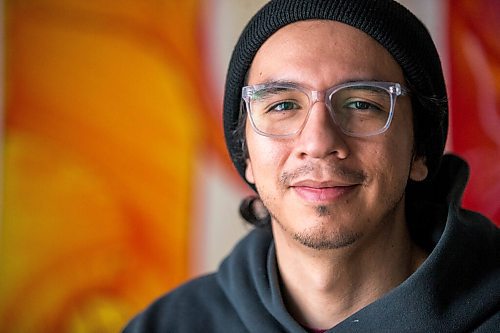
254,212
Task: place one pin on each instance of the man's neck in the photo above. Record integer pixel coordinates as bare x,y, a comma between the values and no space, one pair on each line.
321,288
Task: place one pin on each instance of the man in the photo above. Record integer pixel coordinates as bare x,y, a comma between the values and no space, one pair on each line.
335,112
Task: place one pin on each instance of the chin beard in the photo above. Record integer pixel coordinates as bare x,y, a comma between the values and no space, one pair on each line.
318,238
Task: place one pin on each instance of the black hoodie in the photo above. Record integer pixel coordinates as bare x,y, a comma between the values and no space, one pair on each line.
456,289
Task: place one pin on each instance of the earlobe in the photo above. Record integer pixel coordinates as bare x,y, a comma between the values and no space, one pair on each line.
418,171
249,172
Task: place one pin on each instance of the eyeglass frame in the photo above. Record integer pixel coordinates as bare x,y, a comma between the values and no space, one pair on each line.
394,89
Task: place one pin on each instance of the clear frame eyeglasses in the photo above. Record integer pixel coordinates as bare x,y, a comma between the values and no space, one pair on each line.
360,109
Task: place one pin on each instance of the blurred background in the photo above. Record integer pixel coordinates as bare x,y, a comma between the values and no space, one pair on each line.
115,183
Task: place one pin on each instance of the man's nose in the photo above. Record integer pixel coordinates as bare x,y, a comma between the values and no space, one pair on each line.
320,136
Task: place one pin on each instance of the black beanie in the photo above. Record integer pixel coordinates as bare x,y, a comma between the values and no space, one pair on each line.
390,24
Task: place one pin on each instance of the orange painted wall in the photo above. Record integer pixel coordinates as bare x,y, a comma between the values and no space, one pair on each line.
106,106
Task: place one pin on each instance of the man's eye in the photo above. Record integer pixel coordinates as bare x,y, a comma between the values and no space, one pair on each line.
283,106
361,105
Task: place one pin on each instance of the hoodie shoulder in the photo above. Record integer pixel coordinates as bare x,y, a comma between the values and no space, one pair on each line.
207,303
197,306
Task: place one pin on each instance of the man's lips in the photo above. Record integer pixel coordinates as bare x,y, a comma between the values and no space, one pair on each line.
322,192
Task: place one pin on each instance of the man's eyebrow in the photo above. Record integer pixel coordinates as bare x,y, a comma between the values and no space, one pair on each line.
278,82
295,83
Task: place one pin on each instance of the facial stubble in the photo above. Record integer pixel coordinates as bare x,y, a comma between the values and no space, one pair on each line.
324,235
321,236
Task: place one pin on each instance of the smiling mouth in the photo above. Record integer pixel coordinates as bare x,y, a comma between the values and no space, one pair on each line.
322,194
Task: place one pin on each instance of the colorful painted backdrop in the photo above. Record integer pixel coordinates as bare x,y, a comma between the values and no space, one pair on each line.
108,106
474,50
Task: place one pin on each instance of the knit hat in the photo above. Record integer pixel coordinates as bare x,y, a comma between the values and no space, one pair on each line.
386,21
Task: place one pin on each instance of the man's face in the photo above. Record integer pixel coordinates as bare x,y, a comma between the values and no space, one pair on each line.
323,188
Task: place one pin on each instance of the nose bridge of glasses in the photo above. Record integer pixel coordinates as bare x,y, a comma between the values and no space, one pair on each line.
317,96
321,97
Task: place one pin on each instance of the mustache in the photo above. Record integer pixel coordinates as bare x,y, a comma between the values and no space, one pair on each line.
330,171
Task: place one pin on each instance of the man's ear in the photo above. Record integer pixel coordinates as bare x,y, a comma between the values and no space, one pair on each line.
249,172
418,168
